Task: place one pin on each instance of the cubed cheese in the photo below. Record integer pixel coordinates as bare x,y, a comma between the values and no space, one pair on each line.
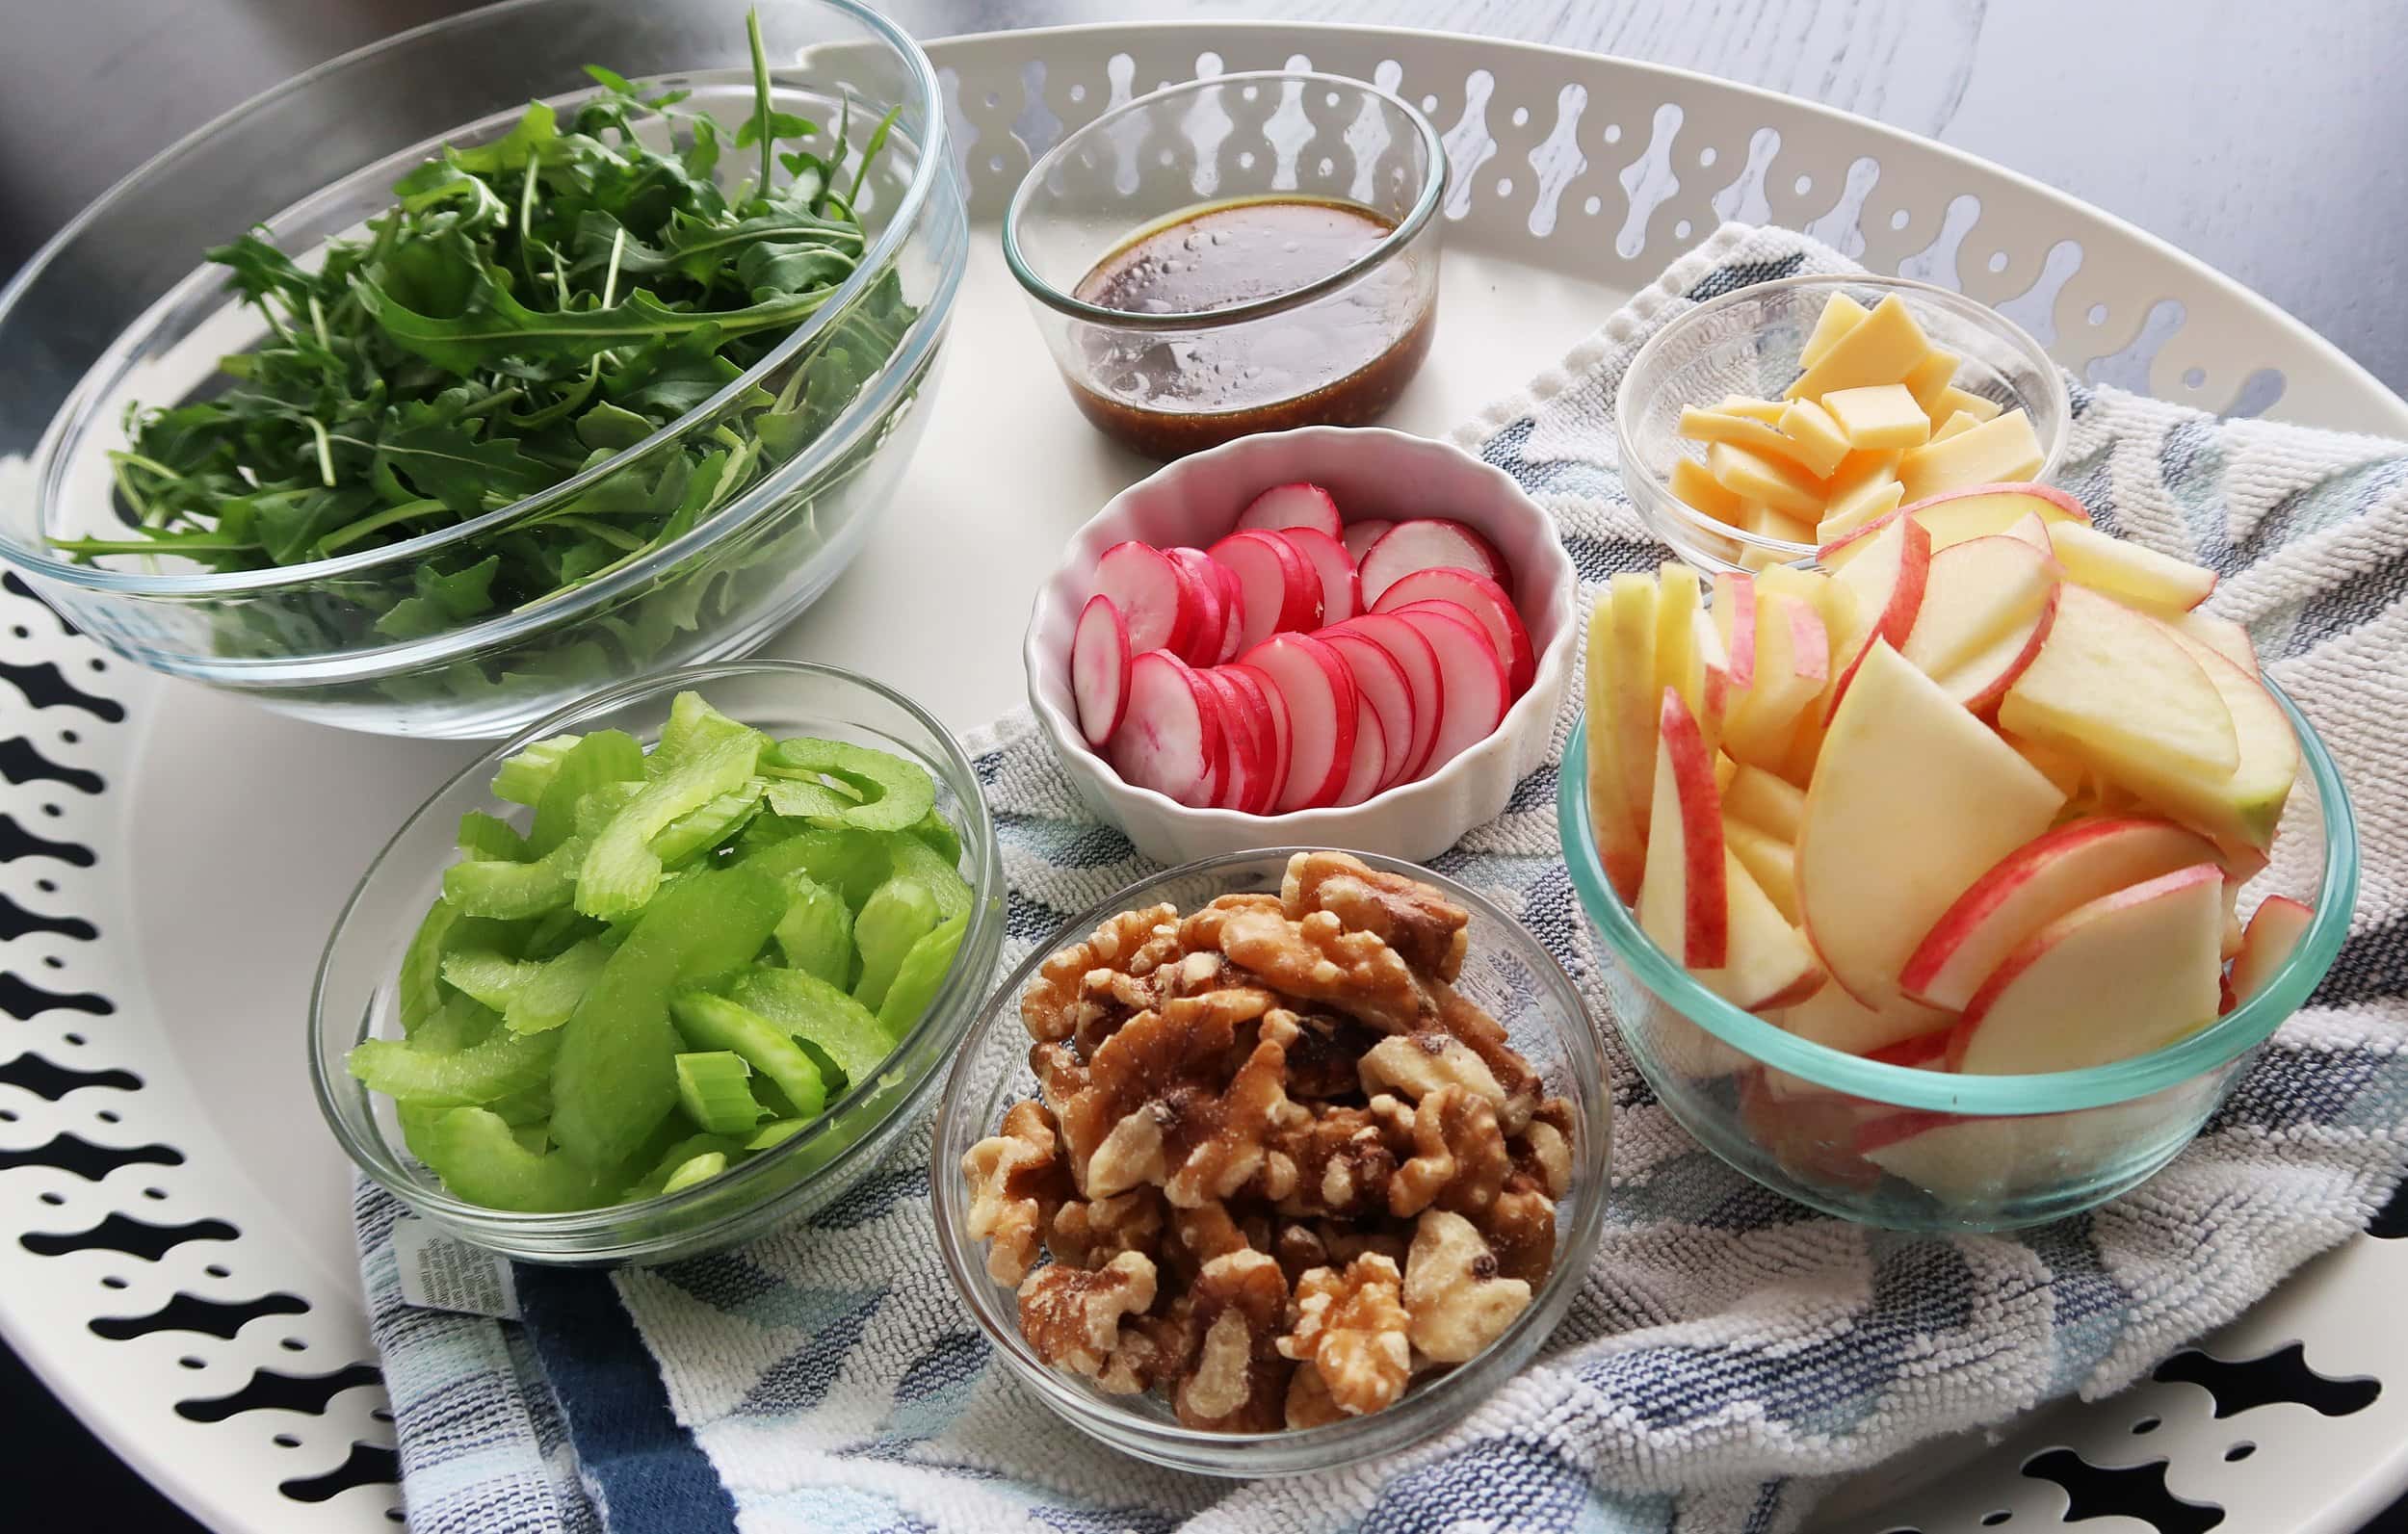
1769,411
1860,469
1694,485
1821,444
1766,523
1883,415
1882,347
2000,449
1713,426
1953,400
1961,421
1838,317
1775,481
1869,502
1926,379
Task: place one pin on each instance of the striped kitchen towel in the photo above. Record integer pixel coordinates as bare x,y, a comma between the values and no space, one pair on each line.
1731,1352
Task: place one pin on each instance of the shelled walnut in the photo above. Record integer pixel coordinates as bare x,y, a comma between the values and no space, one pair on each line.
1280,1162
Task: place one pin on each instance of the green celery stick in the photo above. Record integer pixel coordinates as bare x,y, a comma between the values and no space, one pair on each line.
701,830
713,1023
815,802
940,836
701,1168
816,933
615,1079
695,726
606,756
915,859
820,1016
920,975
898,914
531,996
893,792
522,778
461,1022
851,863
768,1134
419,992
678,1154
480,1158
510,892
621,872
494,1067
712,1088
485,836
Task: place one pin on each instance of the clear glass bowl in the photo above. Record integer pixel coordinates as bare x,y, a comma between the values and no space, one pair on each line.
2009,1151
1748,341
1506,971
120,307
1333,351
354,999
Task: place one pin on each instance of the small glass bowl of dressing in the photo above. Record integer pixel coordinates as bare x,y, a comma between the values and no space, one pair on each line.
1244,253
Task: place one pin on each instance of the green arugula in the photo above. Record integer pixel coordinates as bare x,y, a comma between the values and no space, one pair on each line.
528,308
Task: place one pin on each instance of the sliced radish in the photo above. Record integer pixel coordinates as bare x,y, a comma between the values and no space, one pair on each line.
1291,506
1200,579
1371,755
1169,732
1486,601
1359,536
1144,585
1430,543
1215,791
1475,679
1273,719
1319,692
1381,679
1099,669
1342,590
1245,728
1282,593
1412,653
1233,610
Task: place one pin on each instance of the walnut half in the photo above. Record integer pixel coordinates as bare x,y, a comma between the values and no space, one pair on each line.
1071,1315
1017,1181
1350,1325
1457,1301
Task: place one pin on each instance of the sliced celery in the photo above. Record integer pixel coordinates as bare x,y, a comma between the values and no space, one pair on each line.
819,1015
606,756
894,791
920,976
851,863
712,1087
802,800
494,1067
509,892
701,830
694,726
531,996
480,1158
419,992
713,1023
666,1165
461,1022
522,778
616,1079
913,858
898,914
940,836
698,1169
816,933
770,1134
485,836
621,871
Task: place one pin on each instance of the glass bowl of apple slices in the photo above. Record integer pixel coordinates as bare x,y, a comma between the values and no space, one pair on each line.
1949,887
1765,424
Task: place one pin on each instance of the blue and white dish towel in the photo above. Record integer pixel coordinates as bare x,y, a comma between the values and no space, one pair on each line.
1730,1352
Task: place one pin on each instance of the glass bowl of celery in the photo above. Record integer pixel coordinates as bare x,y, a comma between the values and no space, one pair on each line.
677,964
555,343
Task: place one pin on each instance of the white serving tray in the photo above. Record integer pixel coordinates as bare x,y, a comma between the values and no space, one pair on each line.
178,1259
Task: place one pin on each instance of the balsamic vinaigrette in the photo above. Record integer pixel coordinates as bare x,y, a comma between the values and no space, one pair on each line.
1338,360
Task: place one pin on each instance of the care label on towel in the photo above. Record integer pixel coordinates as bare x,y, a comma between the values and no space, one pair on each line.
440,1273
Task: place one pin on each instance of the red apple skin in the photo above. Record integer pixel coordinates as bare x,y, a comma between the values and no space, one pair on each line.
1961,1036
2050,493
1897,613
1739,590
1924,1052
1706,926
1804,986
1985,703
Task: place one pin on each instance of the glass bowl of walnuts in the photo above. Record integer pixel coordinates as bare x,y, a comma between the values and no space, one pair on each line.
1274,1162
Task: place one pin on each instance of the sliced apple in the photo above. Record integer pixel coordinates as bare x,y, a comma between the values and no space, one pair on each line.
2031,887
1793,668
1811,1133
2274,931
2119,689
1913,800
2238,811
1838,1021
2057,764
1964,1161
1683,901
1768,860
2129,571
1765,801
1622,726
2116,977
2206,631
1887,585
1975,512
1771,963
1979,592
2028,528
1734,614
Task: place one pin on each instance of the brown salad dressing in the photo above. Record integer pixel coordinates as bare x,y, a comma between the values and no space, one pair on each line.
1339,360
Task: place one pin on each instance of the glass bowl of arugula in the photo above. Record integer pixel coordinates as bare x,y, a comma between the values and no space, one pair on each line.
505,375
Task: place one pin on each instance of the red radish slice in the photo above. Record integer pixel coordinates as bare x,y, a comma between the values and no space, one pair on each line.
1412,653
1359,536
1475,678
1233,610
1431,543
1245,727
1167,733
1291,506
1282,593
1099,669
1385,685
1200,579
1486,601
1146,587
1371,755
1273,723
1322,706
1215,792
1342,591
